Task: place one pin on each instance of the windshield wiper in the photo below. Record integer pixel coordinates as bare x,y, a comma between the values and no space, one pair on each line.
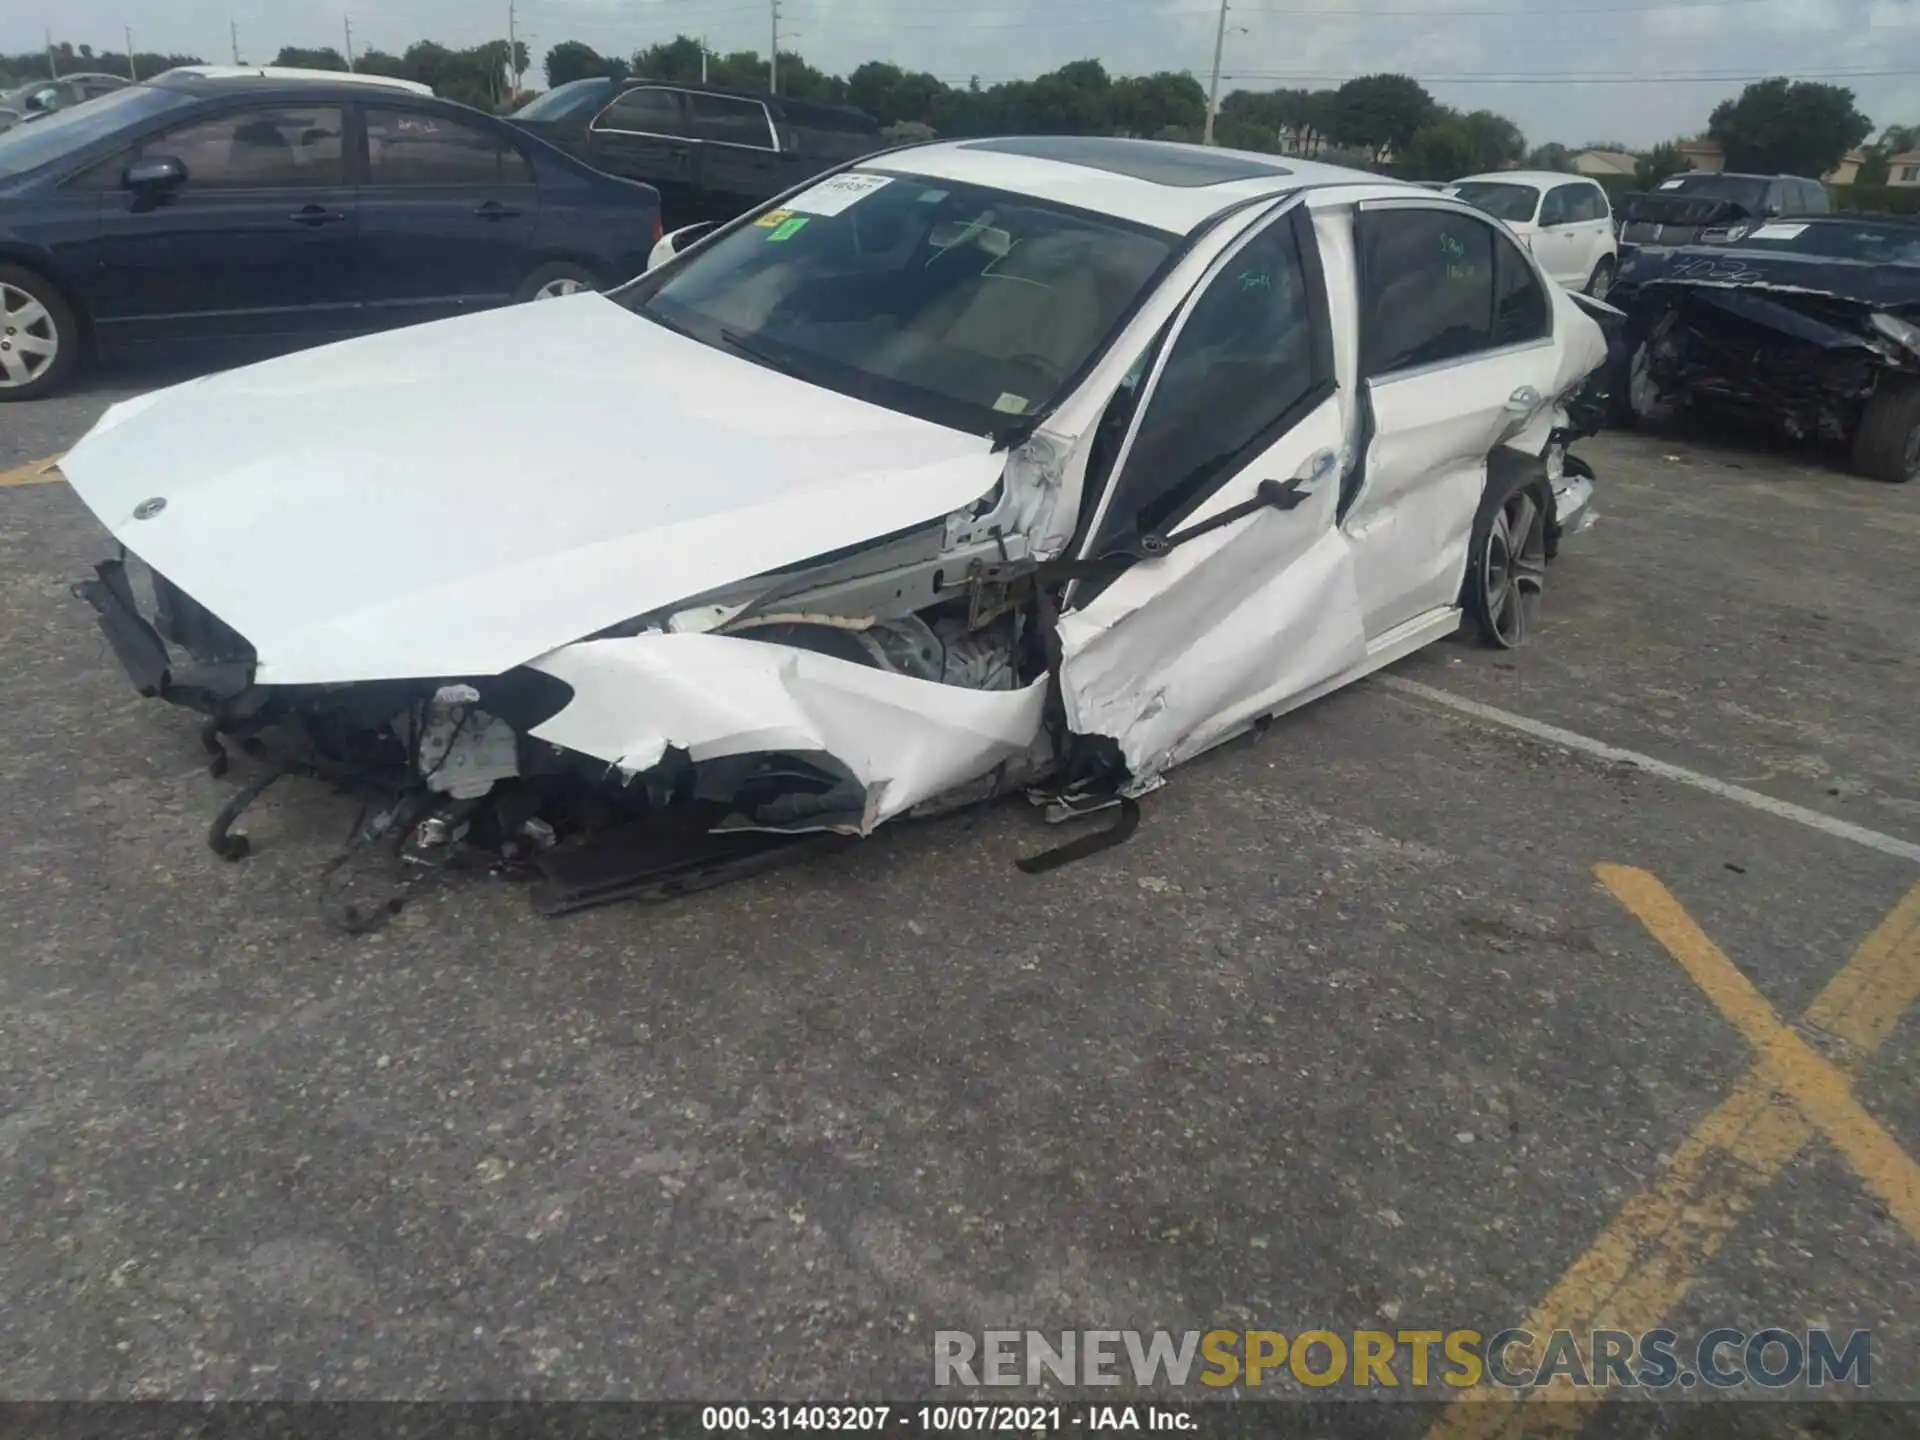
754,350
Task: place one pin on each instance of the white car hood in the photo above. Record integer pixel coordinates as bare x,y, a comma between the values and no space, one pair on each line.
458,498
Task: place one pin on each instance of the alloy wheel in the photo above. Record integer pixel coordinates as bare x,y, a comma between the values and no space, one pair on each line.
29,342
1515,574
565,285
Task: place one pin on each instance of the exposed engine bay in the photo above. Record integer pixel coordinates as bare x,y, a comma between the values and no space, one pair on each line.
1809,344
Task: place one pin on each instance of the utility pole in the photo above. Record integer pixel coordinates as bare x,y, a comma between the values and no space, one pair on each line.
347,21
132,72
1213,89
513,49
703,59
233,29
773,60
53,60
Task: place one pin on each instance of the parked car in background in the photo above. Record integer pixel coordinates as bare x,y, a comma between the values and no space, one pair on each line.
199,208
1564,220
978,466
43,97
1810,325
1713,208
710,152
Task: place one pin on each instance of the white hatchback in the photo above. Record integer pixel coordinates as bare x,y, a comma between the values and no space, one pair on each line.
1564,220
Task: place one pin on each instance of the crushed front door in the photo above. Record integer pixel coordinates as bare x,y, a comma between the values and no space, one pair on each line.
1187,647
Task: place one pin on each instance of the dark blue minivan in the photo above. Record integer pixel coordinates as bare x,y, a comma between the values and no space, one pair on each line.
209,205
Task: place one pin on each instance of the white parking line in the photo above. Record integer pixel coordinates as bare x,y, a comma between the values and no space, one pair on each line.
1752,799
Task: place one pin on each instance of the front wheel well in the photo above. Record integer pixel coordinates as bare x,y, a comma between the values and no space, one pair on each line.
37,265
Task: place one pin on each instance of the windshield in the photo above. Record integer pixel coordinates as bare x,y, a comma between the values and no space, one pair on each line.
1500,199
1874,244
50,136
1741,193
563,102
961,305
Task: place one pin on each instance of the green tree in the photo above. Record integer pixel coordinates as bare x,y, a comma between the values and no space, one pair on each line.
1442,149
677,59
570,60
1551,156
1660,163
1377,113
298,57
1788,127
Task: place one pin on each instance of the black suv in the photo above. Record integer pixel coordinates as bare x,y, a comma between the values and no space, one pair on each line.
711,152
1712,208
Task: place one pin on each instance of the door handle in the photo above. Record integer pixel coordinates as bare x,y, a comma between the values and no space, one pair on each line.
316,215
1524,401
494,210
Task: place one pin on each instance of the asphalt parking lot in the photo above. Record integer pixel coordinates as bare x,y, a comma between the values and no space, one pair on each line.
1353,1033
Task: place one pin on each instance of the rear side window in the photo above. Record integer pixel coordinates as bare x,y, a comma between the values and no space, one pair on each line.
728,121
645,112
1521,309
412,147
1429,288
1588,202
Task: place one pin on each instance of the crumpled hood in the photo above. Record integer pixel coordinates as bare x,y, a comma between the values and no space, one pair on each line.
457,498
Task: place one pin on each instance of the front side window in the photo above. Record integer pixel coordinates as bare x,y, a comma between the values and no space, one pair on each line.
1501,199
1429,290
413,147
273,147
1562,205
729,121
647,111
1238,369
1588,202
963,305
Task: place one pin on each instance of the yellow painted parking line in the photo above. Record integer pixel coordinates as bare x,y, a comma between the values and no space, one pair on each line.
1647,1260
1797,1070
34,472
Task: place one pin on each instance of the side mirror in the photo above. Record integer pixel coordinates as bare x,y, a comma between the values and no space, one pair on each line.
674,241
154,174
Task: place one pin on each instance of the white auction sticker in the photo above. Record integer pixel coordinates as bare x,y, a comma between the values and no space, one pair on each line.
832,196
1671,184
1776,232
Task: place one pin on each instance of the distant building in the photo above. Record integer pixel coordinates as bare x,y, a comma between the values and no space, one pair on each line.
1702,154
1904,169
1847,172
1603,164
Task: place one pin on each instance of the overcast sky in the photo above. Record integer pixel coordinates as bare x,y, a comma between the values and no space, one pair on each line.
1871,45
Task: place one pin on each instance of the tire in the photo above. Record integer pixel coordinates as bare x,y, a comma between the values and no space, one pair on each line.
554,279
39,336
1887,444
1601,280
1507,557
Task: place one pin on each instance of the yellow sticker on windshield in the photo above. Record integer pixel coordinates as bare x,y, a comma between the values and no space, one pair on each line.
773,218
788,229
1011,404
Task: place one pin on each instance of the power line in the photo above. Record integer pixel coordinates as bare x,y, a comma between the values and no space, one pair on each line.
1324,79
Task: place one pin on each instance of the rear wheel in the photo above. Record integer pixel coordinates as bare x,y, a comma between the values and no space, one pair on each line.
560,277
39,337
1887,444
1507,561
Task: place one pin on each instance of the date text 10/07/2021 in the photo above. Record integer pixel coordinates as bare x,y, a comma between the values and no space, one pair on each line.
942,1419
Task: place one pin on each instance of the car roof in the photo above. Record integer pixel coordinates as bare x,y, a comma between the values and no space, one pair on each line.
794,109
1159,183
1526,177
206,78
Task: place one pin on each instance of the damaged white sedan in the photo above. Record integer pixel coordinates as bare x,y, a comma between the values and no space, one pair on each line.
1027,464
